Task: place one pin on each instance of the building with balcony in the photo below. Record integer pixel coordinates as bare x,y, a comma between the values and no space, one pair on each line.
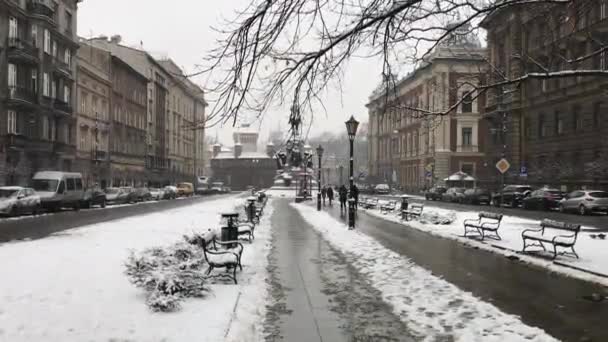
553,129
37,122
413,149
94,92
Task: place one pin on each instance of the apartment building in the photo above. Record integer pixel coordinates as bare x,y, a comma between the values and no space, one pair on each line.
413,150
37,120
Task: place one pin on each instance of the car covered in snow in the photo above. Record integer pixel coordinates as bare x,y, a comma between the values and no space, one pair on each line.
382,189
157,194
170,192
16,200
585,202
185,189
116,196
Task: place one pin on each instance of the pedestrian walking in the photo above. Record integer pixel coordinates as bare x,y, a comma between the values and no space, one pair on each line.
330,194
356,196
343,194
323,193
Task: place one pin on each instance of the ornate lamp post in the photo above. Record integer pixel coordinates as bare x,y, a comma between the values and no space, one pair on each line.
351,129
320,155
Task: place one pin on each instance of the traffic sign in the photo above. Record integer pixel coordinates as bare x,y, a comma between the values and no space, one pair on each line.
503,165
523,172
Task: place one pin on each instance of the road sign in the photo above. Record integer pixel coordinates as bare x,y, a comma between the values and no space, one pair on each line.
503,165
429,168
523,172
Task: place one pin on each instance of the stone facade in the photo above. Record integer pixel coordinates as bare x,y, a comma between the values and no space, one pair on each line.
555,128
418,150
37,121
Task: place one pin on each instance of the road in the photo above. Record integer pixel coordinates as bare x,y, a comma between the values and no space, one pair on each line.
37,227
547,300
597,221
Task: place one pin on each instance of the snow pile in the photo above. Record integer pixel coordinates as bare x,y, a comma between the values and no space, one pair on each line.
434,217
72,286
593,253
432,308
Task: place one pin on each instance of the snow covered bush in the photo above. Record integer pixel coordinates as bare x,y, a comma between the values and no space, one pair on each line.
433,217
169,274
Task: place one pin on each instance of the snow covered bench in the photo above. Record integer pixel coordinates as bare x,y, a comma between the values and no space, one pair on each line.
371,203
388,207
218,256
559,234
247,228
413,211
486,222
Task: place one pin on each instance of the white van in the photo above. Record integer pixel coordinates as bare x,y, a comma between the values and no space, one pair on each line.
59,189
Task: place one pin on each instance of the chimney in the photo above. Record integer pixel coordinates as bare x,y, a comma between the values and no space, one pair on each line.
217,148
270,149
238,150
116,39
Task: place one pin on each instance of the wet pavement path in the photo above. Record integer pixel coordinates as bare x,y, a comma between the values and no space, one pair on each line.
550,301
316,295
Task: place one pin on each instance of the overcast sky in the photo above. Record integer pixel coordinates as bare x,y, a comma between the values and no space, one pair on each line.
180,29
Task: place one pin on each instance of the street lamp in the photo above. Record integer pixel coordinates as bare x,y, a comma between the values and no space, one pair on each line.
320,155
390,182
351,129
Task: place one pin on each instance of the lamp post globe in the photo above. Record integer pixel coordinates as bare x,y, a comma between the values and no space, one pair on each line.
351,129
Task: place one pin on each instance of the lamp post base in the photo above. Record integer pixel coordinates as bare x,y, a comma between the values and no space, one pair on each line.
319,201
351,213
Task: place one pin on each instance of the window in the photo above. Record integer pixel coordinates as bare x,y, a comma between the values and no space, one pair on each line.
83,102
35,35
542,129
47,41
54,48
11,126
78,183
71,184
83,141
13,28
54,89
46,85
578,120
467,136
467,103
68,57
53,131
559,124
12,75
68,21
34,82
597,115
67,94
45,127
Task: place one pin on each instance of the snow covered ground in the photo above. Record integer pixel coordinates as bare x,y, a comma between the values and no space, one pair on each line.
432,308
71,286
593,253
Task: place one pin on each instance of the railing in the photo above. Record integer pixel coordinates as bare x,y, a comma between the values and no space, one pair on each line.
22,45
467,148
42,8
20,93
62,65
62,106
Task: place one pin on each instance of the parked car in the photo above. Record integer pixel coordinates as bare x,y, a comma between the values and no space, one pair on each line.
382,189
59,189
170,192
453,195
185,189
477,196
435,193
93,197
131,194
157,194
217,187
142,194
366,189
16,200
512,195
585,202
543,199
116,196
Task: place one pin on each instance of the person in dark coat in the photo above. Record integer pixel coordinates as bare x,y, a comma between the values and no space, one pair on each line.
356,196
323,193
330,194
343,195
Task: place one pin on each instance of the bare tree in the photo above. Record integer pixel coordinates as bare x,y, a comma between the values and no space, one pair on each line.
291,51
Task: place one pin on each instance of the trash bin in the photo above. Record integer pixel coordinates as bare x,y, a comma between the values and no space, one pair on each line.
230,232
251,209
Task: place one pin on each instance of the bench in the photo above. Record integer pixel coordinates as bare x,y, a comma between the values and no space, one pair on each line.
246,228
371,203
566,238
217,255
388,207
413,211
486,222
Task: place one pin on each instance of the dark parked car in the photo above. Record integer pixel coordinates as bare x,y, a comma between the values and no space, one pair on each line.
94,197
477,196
116,196
143,195
453,195
543,199
513,195
435,193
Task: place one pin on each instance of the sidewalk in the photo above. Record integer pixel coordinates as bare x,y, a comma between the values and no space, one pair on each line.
316,295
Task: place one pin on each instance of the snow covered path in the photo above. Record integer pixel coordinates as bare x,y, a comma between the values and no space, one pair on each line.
432,308
71,286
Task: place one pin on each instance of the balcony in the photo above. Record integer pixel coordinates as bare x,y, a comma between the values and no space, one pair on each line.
19,95
63,148
467,148
44,9
63,106
22,50
62,67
